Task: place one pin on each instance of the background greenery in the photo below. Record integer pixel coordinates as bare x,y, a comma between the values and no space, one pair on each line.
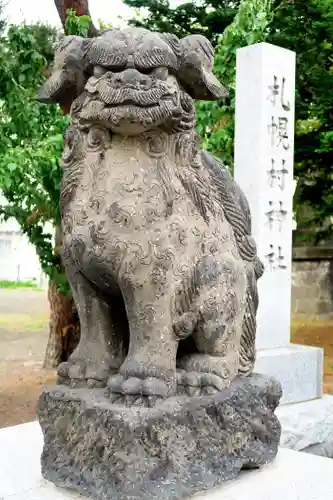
30,140
305,27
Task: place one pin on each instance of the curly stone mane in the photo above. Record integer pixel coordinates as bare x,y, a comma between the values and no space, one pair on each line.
231,198
132,95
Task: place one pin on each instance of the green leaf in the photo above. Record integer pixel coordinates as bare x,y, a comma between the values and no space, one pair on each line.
30,138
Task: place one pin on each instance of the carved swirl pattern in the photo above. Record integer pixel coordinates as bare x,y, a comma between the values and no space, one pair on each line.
98,139
147,214
73,167
238,215
156,143
73,150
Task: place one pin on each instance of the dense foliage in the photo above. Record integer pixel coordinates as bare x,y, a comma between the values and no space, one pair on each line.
305,27
30,140
215,120
3,21
77,25
207,17
229,25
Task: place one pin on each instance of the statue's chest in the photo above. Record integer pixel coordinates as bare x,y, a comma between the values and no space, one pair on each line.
125,192
126,211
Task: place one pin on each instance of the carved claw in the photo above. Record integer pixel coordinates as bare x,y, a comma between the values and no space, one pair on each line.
185,326
134,400
94,384
139,387
79,372
196,384
137,392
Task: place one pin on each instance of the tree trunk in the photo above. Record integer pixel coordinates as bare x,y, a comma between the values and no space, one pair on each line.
64,328
80,7
64,321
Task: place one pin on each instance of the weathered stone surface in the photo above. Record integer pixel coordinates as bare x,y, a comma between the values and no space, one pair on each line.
298,368
324,449
157,242
163,268
170,451
308,426
291,476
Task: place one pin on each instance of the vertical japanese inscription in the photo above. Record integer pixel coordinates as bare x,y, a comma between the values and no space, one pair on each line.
277,173
277,90
275,258
279,125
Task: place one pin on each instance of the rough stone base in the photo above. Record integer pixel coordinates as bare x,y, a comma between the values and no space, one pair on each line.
169,452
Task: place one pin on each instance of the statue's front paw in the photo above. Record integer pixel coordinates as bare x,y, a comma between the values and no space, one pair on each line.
195,384
135,391
139,385
202,374
80,371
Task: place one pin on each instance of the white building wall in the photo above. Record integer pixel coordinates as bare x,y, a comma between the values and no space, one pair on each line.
18,258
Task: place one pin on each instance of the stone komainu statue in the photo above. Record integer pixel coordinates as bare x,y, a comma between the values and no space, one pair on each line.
157,236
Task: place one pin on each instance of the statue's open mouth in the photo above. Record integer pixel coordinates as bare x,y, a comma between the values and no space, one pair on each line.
128,111
128,96
116,106
132,103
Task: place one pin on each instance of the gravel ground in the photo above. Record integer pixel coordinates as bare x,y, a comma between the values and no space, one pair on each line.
23,338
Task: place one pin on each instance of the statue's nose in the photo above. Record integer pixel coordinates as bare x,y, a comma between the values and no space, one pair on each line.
132,78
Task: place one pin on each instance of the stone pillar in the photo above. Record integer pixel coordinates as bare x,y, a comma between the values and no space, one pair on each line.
264,151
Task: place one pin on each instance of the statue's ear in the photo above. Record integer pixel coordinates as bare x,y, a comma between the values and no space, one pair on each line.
69,73
196,69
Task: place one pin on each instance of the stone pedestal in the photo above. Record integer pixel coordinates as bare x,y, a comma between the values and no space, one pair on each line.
264,139
308,426
264,156
299,369
292,475
171,451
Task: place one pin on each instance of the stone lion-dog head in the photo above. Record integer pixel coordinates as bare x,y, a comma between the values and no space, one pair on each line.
133,80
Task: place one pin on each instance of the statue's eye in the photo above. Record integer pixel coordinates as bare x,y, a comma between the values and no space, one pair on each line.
158,73
99,71
161,73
